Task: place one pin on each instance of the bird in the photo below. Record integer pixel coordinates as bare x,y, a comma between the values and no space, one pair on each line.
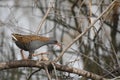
31,42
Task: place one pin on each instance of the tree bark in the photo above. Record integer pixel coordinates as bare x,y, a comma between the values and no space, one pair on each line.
41,64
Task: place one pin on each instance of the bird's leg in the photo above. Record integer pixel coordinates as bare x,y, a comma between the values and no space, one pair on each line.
23,56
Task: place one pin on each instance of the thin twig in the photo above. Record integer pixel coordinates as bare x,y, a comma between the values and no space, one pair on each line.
93,62
83,33
43,20
90,11
55,70
113,48
48,75
33,73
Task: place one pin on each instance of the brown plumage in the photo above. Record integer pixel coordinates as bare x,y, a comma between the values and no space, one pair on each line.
31,42
29,38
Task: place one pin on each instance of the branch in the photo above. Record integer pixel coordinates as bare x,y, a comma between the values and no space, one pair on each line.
44,18
32,74
83,33
19,63
41,64
47,72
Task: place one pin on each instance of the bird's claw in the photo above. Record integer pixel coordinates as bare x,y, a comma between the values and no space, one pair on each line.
39,54
43,58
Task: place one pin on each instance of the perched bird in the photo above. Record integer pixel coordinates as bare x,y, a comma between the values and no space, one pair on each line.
32,42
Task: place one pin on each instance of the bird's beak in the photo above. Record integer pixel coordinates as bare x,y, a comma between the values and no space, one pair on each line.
14,38
58,44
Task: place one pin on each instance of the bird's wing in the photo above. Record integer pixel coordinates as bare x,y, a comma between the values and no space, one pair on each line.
29,38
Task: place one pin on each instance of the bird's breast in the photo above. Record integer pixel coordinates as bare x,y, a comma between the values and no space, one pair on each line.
22,46
36,44
31,45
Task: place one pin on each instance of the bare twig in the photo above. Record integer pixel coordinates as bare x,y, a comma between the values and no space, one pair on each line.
93,61
83,33
32,74
43,19
55,71
46,70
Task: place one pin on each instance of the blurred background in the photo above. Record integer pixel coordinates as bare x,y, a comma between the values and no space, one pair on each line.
98,51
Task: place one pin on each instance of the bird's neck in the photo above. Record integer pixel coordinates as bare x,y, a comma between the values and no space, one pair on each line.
49,42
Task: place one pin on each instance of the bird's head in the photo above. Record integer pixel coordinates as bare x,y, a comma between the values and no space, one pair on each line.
53,41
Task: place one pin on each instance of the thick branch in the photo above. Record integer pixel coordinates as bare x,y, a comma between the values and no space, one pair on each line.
21,63
41,64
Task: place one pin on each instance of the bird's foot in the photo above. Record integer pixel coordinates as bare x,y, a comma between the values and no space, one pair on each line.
43,58
39,54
